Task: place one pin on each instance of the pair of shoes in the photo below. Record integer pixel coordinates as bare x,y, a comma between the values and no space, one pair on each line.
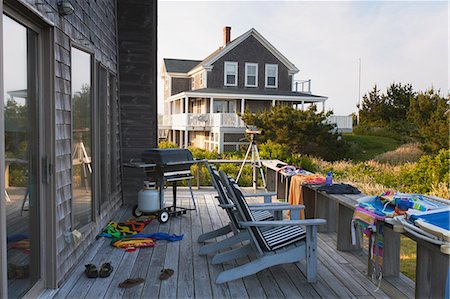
166,274
131,282
92,272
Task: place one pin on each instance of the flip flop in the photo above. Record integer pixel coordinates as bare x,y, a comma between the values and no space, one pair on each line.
91,271
131,282
166,274
105,270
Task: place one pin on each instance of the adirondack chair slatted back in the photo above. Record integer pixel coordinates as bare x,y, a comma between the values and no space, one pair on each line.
244,211
267,240
223,196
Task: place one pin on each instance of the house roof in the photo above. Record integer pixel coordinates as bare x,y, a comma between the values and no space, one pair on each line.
179,65
267,94
216,55
256,91
192,66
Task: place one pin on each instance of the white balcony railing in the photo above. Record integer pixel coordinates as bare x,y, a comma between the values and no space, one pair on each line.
343,123
228,120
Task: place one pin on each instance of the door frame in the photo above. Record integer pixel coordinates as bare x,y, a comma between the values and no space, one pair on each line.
46,179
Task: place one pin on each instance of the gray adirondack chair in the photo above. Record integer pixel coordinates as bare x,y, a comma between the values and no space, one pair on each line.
261,212
287,241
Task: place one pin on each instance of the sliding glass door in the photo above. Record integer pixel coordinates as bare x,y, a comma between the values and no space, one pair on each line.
22,155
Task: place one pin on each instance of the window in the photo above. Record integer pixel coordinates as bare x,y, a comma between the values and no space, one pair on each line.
21,122
272,75
224,106
82,169
230,73
251,74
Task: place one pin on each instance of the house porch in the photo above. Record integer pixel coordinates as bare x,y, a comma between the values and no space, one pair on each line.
340,274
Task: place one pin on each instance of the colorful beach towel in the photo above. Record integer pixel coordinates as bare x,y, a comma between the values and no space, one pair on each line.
122,229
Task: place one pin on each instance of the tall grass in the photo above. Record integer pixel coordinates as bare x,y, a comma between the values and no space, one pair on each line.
409,152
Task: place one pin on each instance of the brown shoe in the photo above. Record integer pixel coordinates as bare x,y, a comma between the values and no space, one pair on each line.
131,282
166,274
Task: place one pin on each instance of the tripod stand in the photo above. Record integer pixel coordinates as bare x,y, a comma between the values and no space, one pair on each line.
256,162
80,156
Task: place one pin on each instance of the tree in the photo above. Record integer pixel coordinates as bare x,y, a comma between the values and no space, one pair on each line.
304,132
429,114
397,101
372,108
389,108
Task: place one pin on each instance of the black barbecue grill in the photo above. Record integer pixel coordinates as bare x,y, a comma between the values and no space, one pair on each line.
167,165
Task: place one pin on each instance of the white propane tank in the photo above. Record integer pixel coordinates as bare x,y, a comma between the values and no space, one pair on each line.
148,199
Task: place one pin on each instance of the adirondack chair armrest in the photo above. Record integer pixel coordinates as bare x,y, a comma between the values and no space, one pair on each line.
259,194
278,204
308,222
226,206
278,208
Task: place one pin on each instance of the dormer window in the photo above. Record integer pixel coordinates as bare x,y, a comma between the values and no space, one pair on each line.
272,75
230,73
251,74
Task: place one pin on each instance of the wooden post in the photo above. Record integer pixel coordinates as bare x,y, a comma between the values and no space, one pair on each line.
344,234
309,199
391,252
326,209
198,175
211,105
242,106
432,272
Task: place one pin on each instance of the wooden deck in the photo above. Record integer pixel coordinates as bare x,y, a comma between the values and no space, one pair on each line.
340,274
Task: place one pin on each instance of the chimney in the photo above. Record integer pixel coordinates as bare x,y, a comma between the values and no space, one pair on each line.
226,35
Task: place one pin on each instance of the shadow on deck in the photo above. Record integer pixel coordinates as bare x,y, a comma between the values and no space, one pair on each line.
340,274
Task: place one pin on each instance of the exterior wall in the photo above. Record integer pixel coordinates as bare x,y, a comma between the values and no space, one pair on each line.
180,85
249,50
198,80
92,26
137,24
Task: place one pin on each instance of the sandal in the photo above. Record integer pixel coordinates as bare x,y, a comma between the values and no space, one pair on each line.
131,282
105,270
91,271
166,274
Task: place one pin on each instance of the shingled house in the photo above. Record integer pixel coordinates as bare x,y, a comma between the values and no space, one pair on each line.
78,97
202,98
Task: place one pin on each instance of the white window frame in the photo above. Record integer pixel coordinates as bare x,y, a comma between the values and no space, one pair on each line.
225,73
276,75
246,74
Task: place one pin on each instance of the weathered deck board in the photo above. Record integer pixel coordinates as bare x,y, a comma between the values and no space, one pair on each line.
340,274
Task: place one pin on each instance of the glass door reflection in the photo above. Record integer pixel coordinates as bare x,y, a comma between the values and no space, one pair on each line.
21,155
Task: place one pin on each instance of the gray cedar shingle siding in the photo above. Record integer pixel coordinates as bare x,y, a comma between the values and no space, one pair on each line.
137,58
180,85
250,50
93,26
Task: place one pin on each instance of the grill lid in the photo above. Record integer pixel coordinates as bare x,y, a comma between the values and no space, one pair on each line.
162,156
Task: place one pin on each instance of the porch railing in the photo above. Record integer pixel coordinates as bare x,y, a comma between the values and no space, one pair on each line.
230,120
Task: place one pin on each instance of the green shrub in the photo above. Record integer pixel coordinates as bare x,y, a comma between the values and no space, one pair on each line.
167,144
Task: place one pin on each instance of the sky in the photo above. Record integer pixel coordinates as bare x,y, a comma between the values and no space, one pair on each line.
402,41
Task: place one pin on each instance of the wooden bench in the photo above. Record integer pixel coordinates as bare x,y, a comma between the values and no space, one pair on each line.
432,266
